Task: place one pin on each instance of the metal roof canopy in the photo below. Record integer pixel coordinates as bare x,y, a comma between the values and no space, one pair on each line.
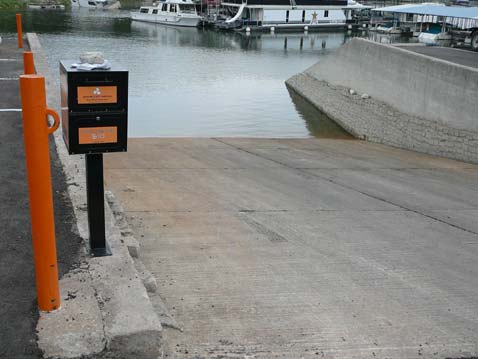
433,10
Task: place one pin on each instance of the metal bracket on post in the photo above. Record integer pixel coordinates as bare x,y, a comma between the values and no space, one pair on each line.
96,205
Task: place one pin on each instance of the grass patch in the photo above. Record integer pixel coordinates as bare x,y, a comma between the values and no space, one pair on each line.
11,4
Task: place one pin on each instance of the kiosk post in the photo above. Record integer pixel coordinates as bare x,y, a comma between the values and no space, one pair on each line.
95,202
94,121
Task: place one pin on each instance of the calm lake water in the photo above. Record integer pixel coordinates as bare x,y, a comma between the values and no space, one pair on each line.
194,82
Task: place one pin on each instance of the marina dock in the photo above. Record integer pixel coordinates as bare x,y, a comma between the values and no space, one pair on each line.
304,248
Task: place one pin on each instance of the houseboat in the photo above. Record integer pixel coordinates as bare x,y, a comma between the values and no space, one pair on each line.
169,12
299,14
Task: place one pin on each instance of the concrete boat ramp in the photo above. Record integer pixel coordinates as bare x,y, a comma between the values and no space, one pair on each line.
305,248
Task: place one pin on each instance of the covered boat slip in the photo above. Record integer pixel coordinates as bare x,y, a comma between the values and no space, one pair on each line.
455,16
456,25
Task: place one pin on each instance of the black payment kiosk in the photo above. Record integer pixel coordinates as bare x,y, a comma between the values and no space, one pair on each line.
94,111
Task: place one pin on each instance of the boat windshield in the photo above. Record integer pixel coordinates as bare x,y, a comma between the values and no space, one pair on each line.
187,8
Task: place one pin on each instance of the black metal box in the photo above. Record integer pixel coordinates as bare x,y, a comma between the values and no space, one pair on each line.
94,109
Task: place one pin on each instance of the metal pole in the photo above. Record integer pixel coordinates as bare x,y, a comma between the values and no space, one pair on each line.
37,155
28,64
19,31
96,205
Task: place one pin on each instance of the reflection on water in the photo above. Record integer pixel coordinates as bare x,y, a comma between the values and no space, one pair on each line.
77,20
318,123
191,82
240,41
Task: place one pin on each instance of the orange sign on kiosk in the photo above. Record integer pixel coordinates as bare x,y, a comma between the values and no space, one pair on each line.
91,135
97,94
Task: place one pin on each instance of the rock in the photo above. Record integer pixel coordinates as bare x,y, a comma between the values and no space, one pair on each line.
150,284
365,96
93,57
352,92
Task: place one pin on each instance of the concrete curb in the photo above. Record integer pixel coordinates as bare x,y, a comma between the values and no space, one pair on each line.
105,311
149,281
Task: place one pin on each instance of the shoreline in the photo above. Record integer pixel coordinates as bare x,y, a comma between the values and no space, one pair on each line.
22,5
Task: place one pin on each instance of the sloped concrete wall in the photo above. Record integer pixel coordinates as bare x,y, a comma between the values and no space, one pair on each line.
375,121
417,102
418,85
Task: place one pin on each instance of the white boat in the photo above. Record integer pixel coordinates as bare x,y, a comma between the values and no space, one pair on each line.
169,12
97,4
289,13
388,29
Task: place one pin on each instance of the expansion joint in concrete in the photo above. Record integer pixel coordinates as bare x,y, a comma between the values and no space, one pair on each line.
405,208
365,193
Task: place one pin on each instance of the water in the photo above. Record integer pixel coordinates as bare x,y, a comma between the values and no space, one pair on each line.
194,82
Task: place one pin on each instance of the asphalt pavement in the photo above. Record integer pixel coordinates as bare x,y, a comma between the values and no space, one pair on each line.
18,309
458,56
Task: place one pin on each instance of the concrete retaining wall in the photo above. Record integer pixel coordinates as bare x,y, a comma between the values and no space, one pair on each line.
413,83
417,102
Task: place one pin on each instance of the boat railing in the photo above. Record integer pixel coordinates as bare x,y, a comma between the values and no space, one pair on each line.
187,11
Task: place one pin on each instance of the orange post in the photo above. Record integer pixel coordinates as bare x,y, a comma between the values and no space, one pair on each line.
19,31
36,131
28,64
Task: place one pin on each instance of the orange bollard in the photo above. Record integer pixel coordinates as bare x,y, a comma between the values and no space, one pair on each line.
19,31
36,131
28,64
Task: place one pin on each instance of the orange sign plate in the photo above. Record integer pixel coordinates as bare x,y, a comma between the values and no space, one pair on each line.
94,135
97,94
